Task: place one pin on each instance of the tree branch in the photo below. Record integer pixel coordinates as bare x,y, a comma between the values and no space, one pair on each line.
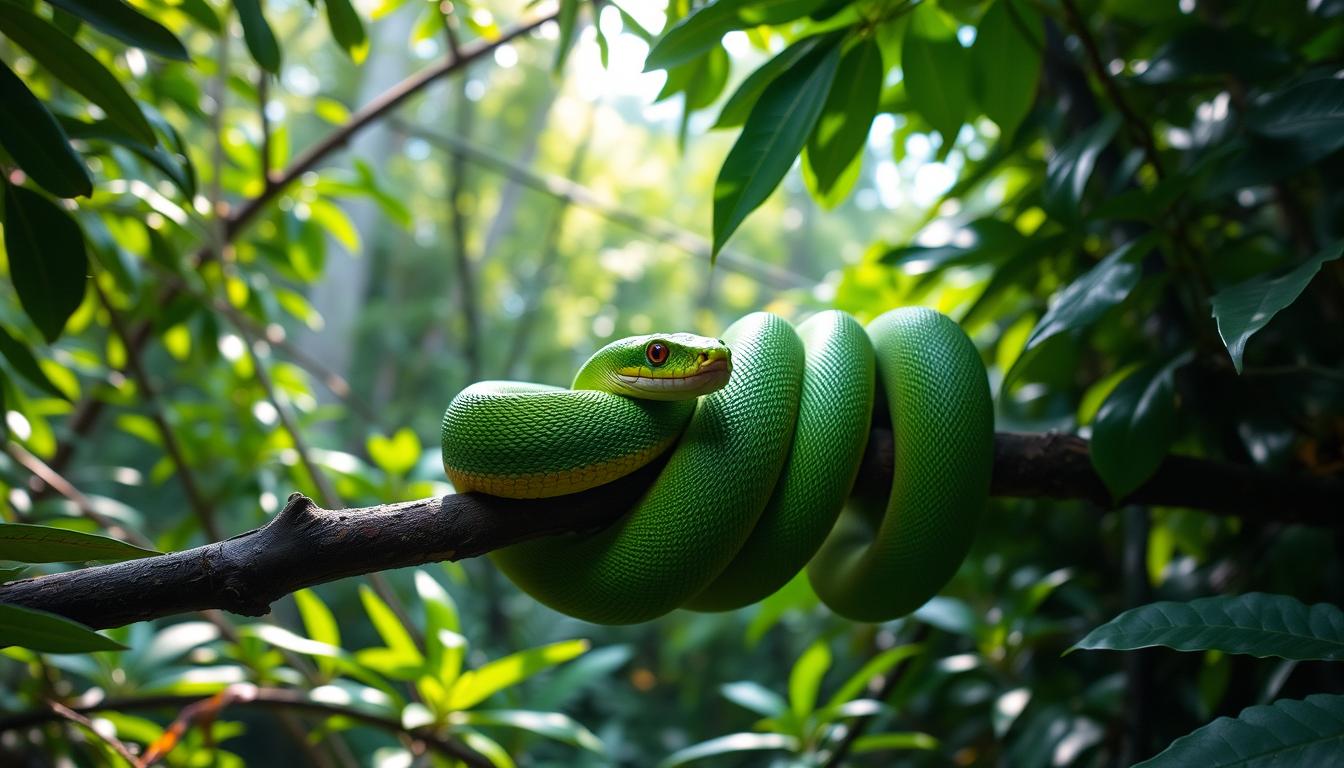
306,545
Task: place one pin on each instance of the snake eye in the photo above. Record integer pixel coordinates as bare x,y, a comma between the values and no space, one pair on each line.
656,352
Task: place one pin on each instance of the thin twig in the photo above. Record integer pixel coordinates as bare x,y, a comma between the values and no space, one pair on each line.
50,478
120,748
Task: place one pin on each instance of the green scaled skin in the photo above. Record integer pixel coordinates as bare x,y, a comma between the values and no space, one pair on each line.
756,485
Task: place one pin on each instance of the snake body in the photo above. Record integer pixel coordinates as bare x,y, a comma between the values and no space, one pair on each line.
767,428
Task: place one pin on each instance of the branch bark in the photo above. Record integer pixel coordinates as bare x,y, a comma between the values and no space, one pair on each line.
306,545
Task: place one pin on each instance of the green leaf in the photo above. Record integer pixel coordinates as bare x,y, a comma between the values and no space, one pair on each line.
842,130
395,455
704,28
1311,115
881,742
1206,51
347,28
76,67
1256,624
21,358
552,725
478,685
738,106
47,259
444,644
258,35
1071,166
202,13
127,25
35,141
1135,427
395,635
591,670
772,137
49,633
487,748
320,625
1007,61
755,697
733,742
936,69
1088,297
805,678
1246,307
875,667
11,574
25,543
1289,732
176,166
568,21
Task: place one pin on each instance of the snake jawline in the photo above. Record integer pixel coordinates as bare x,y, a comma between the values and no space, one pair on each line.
756,486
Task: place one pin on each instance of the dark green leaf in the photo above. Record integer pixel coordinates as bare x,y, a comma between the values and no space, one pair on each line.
49,633
35,141
733,742
568,21
842,130
1007,61
75,67
346,27
47,259
202,13
177,167
1135,428
631,25
123,22
25,543
1256,624
937,70
22,360
1067,173
11,574
258,35
1246,307
875,667
1289,732
1103,286
707,77
704,28
1208,51
738,106
772,137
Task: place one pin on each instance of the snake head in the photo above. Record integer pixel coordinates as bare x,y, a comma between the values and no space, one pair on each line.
659,366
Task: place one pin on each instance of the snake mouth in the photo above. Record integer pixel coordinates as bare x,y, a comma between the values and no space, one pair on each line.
707,373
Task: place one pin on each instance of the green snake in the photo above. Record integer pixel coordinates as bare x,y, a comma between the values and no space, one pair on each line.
767,428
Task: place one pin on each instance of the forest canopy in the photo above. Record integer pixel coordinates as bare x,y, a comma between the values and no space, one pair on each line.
254,248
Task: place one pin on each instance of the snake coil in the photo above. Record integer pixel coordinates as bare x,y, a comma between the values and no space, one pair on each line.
758,481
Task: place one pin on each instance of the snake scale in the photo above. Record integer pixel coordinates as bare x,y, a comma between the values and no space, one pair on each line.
766,428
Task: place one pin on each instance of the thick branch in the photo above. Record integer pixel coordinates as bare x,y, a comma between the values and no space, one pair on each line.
306,545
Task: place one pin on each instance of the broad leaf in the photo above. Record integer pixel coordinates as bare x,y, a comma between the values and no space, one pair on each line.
444,644
1311,115
937,70
487,748
805,678
734,742
26,543
35,141
258,35
48,262
76,67
1071,166
396,636
842,130
22,360
175,165
552,725
875,667
123,22
49,633
755,697
1246,307
395,455
703,29
478,685
1256,624
1088,297
1289,732
739,105
320,625
346,28
1135,427
568,20
772,137
1007,61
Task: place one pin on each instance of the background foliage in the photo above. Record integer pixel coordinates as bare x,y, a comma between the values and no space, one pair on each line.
219,295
